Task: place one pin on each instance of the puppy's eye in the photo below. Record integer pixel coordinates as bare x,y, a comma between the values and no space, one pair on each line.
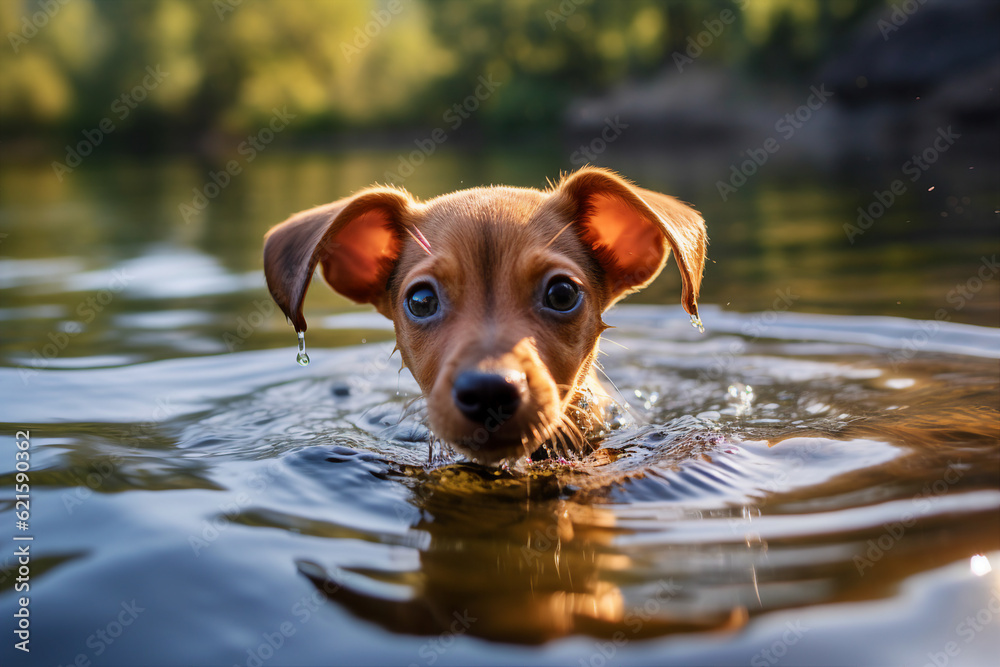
562,295
422,302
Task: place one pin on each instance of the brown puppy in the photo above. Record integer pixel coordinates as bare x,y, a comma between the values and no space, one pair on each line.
496,293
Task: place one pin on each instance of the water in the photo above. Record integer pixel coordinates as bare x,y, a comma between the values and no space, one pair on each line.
301,357
812,480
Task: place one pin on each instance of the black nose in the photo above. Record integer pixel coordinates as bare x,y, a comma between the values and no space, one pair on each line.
482,396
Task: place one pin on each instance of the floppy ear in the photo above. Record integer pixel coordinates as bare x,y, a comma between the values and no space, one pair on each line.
630,230
356,240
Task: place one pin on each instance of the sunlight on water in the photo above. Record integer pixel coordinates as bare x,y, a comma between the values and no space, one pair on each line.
742,394
980,565
772,466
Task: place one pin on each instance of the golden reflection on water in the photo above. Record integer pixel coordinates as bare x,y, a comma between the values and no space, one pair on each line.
527,564
610,548
550,551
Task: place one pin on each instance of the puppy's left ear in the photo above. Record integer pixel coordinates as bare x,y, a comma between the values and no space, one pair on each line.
356,241
630,231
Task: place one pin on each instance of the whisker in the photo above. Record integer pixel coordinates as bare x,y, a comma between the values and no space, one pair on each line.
578,441
613,342
409,403
563,445
558,234
563,432
420,240
542,436
405,412
623,404
536,436
524,449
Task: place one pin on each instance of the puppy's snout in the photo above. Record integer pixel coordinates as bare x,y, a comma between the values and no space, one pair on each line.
484,396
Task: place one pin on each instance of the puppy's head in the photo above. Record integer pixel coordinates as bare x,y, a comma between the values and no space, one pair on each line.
496,293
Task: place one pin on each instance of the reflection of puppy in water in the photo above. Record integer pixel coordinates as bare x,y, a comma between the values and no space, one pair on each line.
496,293
494,565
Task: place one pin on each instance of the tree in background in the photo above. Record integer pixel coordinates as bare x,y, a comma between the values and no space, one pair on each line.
340,65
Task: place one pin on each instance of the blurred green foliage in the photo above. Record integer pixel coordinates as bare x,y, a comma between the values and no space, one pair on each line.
345,64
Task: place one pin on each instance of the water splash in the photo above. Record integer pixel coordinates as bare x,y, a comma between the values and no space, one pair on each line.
302,357
648,399
696,323
742,395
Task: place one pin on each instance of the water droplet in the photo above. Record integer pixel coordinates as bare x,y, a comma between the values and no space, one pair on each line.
302,357
696,323
743,396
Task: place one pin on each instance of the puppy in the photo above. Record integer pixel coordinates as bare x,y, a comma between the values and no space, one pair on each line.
495,293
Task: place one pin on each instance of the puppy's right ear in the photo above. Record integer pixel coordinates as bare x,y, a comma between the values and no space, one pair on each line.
356,240
632,231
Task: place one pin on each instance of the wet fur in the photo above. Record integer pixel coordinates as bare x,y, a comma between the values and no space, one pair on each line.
490,251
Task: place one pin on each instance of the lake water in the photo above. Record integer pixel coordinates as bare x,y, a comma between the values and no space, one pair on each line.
813,480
